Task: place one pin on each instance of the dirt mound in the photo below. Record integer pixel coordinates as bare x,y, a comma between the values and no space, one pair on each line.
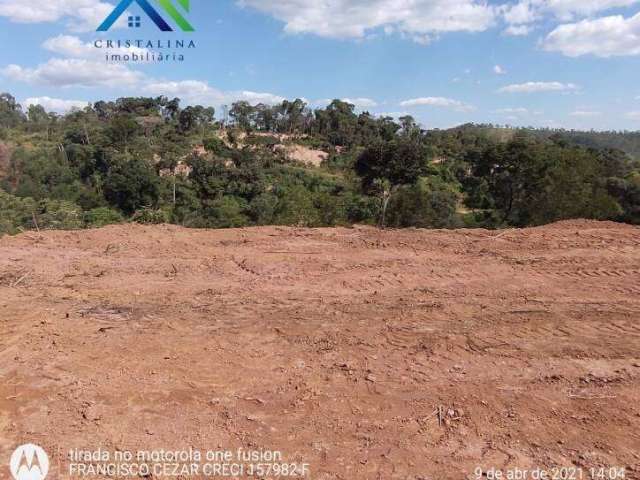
306,155
368,354
586,224
286,145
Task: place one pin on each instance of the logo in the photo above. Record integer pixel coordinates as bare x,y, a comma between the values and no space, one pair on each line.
29,462
152,13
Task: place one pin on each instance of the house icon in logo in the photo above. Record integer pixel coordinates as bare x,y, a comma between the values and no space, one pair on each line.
152,13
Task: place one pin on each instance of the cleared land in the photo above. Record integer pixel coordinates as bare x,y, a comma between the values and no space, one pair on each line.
337,347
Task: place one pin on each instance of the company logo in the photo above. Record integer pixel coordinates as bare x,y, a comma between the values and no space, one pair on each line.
152,13
29,462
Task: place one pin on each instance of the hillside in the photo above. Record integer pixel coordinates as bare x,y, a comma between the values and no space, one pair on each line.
628,141
152,160
5,158
387,354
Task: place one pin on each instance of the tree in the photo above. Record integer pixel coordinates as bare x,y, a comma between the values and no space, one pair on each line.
241,113
118,156
37,114
195,117
265,118
294,115
130,185
627,193
225,212
387,166
295,207
429,203
10,111
122,129
339,122
528,182
409,125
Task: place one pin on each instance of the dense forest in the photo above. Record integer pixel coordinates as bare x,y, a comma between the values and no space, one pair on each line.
151,160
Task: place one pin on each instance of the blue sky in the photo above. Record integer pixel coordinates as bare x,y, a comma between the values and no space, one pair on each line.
557,63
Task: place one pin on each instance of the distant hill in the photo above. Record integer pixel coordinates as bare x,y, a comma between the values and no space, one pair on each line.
627,141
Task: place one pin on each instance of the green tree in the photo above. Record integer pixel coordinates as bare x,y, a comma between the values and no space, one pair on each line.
122,129
295,207
242,113
15,213
225,212
10,111
131,184
529,182
59,215
386,166
429,203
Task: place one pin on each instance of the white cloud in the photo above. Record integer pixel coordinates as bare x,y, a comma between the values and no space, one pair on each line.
74,72
498,70
438,102
518,30
195,91
83,15
420,20
56,104
585,113
512,111
254,97
361,102
91,72
71,46
530,11
603,37
524,12
423,20
535,87
395,115
523,16
566,9
633,115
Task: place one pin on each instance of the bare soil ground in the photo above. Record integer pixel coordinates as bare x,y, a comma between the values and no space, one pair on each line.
306,155
337,347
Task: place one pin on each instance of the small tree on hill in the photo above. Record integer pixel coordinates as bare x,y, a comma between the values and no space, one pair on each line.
387,166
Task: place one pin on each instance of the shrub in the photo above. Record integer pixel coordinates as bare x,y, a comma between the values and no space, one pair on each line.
296,208
362,208
427,204
215,145
331,209
59,215
151,216
226,212
15,213
102,216
131,184
263,208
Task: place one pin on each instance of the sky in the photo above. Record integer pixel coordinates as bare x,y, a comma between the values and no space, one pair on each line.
552,63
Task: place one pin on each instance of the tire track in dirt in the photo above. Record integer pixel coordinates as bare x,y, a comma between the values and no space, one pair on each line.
321,342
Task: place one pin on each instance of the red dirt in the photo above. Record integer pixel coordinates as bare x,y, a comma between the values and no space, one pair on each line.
336,347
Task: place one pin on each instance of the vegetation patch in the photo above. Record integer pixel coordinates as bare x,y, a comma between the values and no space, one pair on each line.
151,160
